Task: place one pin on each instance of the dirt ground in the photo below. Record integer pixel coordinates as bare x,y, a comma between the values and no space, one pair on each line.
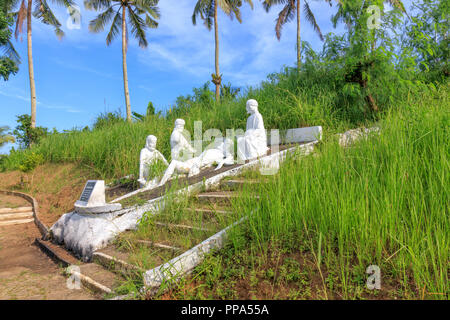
26,273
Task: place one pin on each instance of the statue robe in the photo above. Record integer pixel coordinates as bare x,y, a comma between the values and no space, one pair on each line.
254,143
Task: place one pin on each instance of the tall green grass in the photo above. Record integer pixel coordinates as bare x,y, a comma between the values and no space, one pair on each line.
286,100
382,202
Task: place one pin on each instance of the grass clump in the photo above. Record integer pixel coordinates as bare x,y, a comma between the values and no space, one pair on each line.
384,202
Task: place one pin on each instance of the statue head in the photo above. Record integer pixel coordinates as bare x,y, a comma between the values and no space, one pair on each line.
179,124
252,106
150,143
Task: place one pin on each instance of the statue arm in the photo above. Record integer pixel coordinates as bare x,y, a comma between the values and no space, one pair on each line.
141,165
161,156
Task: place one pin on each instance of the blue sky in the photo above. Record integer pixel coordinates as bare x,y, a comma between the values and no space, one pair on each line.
79,77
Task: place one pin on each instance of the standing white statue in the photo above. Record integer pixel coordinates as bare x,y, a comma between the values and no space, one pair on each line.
254,143
149,154
221,154
179,146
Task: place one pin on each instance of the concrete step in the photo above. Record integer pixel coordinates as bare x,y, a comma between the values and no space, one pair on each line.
219,196
10,216
131,260
92,276
16,210
114,263
14,222
180,226
97,278
209,211
239,183
57,253
158,245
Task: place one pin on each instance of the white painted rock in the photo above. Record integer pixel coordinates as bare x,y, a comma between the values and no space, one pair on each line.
85,233
300,135
349,137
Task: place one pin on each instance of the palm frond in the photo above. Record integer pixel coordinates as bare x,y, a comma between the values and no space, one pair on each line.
225,5
98,24
10,52
43,12
285,15
205,10
149,7
138,26
312,19
97,4
268,4
115,27
21,17
149,22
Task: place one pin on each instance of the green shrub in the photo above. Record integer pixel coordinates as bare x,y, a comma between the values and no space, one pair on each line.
30,161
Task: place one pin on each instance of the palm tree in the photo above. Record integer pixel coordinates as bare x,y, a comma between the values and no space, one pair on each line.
291,10
117,10
5,137
43,13
207,10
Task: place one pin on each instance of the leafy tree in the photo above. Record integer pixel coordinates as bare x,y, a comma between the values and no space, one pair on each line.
291,10
369,47
25,134
427,36
43,13
229,92
117,10
150,109
5,137
207,11
10,58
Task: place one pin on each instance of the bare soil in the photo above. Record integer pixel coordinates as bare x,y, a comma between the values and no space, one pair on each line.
26,273
56,187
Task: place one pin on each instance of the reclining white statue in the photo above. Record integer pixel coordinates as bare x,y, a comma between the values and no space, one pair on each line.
148,155
222,154
254,143
180,147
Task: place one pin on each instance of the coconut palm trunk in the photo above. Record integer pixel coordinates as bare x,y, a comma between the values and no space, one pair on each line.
216,31
30,66
299,57
124,65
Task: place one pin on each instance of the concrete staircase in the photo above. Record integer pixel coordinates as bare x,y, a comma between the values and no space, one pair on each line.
206,214
13,216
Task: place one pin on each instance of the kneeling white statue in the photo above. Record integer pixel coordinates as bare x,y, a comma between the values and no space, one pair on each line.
254,143
149,155
181,149
221,155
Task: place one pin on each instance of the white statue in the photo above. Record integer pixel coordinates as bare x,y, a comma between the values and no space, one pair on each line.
178,143
221,154
254,143
149,154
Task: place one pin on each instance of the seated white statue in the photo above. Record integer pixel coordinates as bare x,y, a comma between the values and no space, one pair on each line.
180,147
149,154
254,143
222,154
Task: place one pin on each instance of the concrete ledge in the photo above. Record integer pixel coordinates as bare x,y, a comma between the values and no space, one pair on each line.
116,264
172,271
97,209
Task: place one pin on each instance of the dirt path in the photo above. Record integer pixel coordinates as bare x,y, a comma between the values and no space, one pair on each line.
25,272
